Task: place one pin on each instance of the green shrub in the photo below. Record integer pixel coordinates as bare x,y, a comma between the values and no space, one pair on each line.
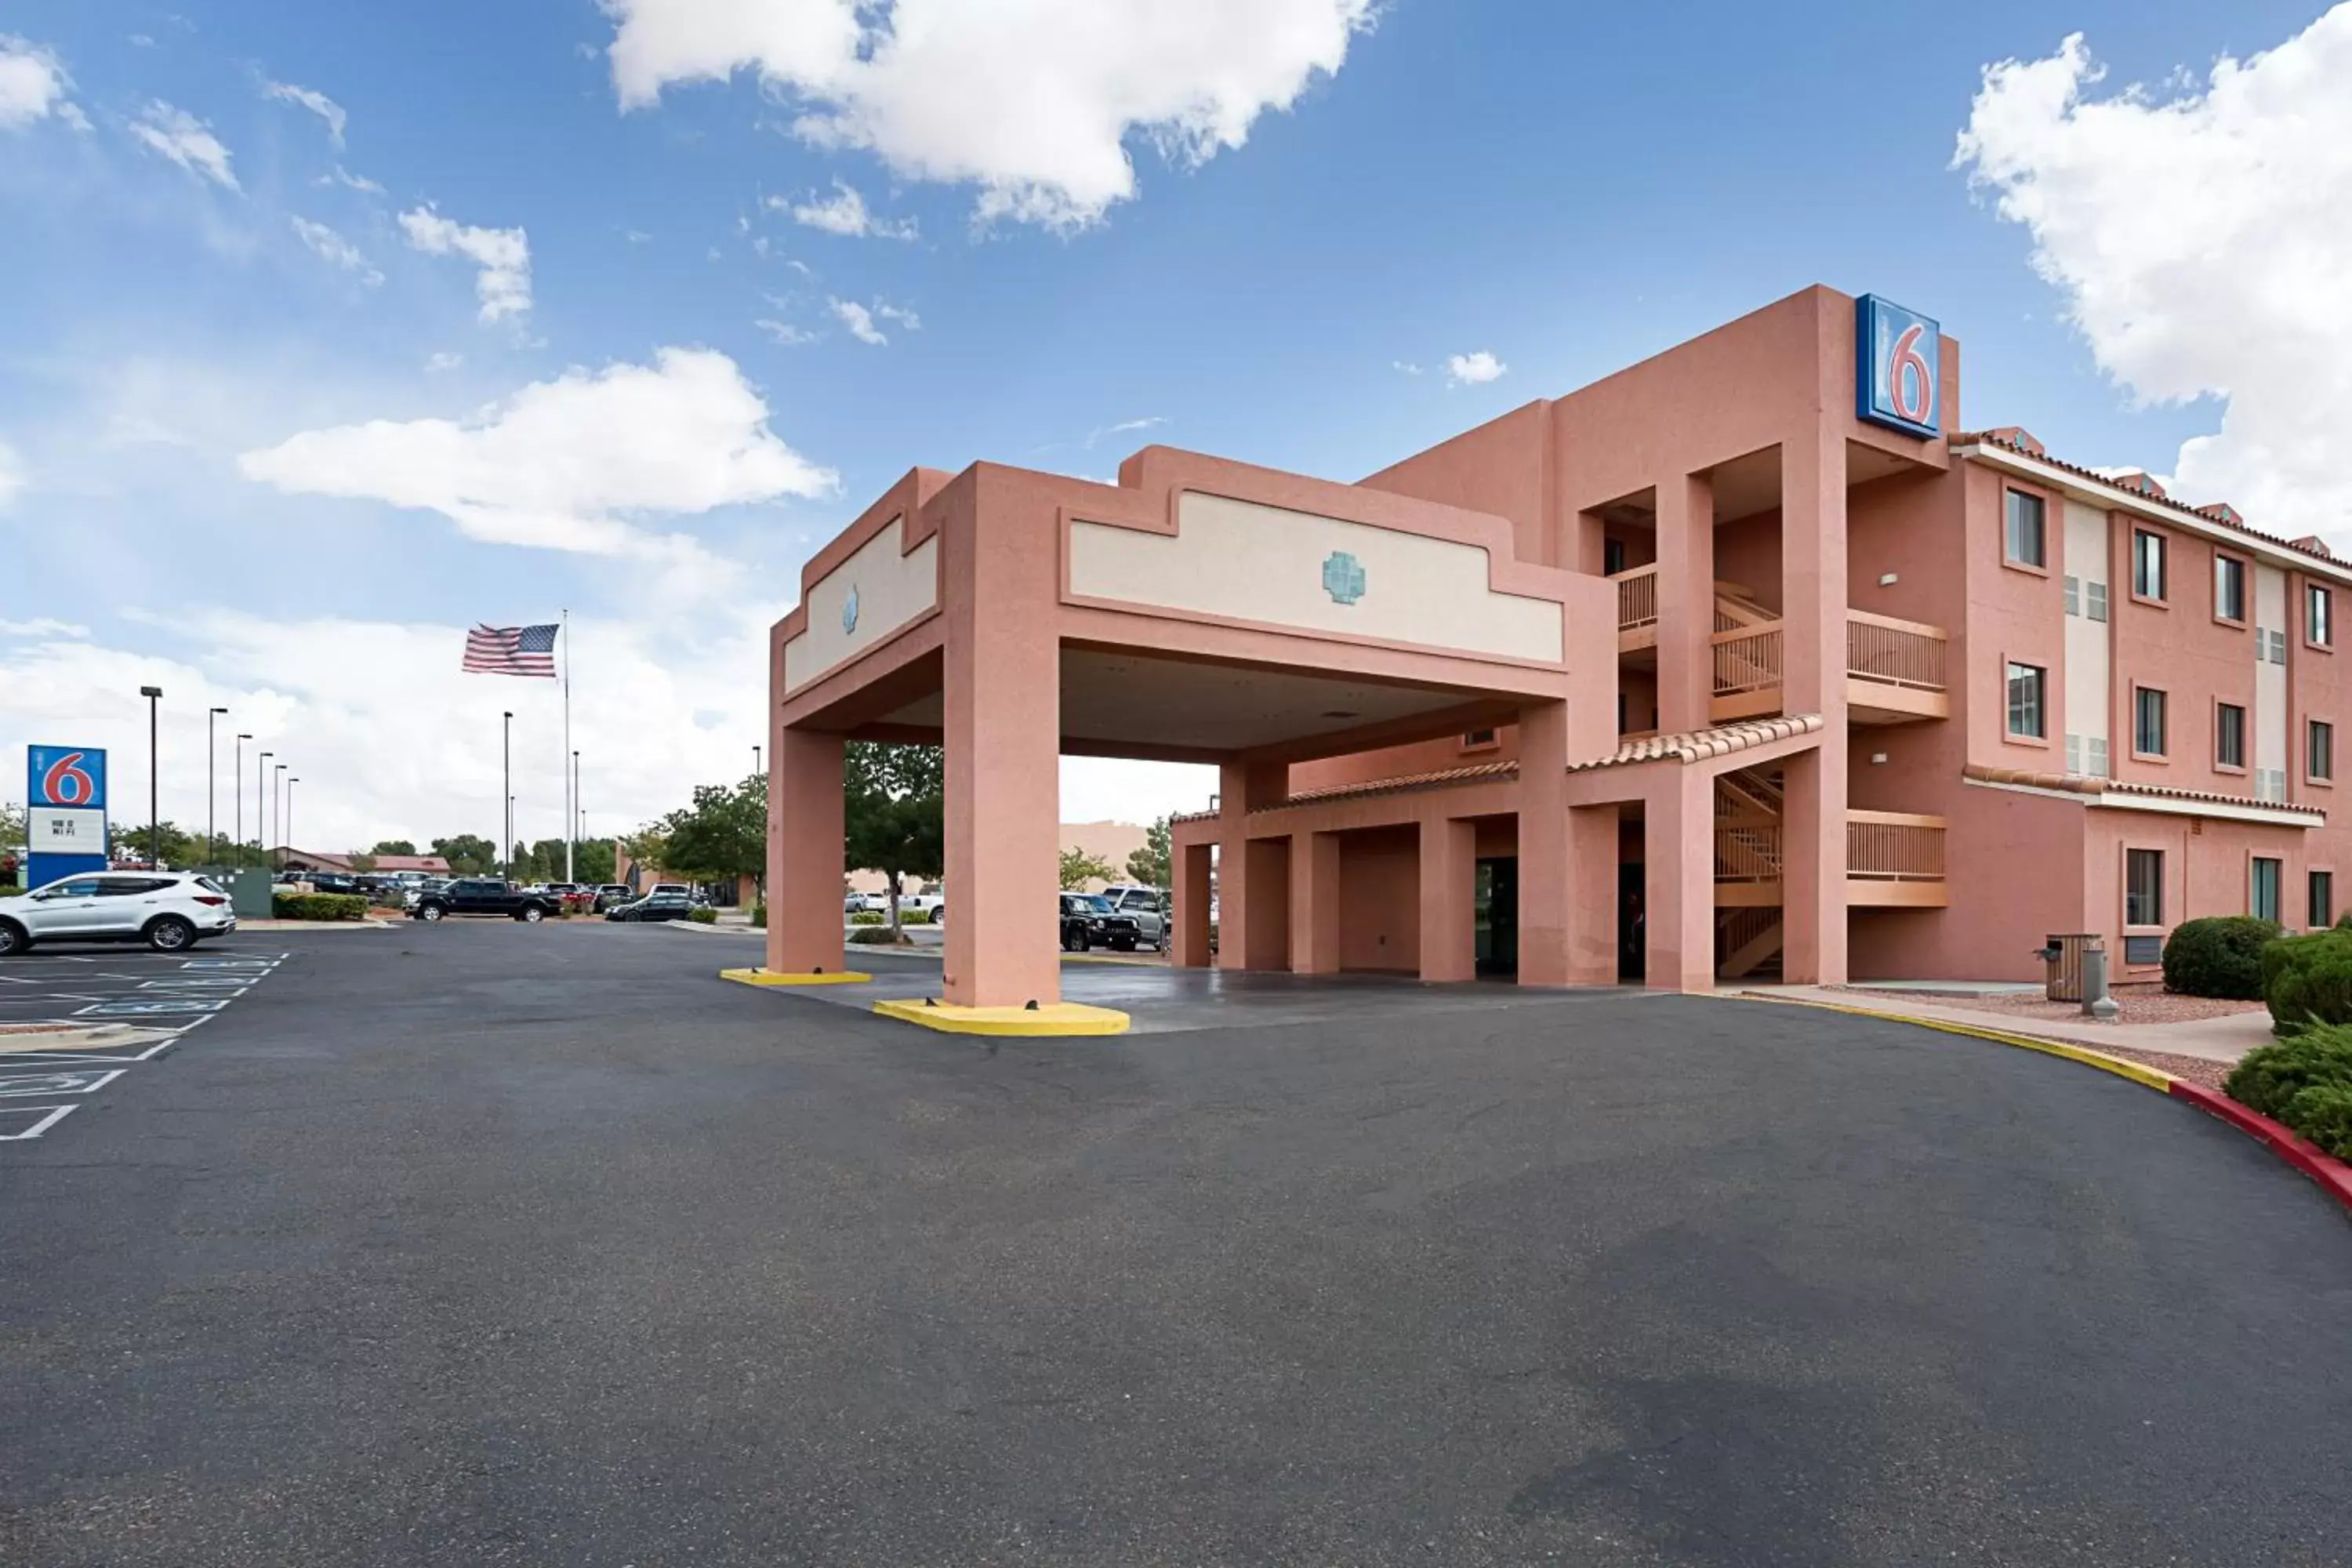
869,918
2304,1082
2220,956
2307,979
876,936
13,892
702,915
318,906
759,914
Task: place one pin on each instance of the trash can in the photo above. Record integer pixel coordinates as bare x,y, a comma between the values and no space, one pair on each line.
2063,954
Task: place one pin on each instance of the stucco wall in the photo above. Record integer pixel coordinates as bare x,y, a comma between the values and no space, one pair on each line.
894,586
1380,897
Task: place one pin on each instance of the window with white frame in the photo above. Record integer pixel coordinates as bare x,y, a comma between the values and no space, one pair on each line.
2024,529
2027,709
2229,588
2319,614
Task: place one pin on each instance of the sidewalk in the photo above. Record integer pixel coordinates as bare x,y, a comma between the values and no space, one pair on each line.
2222,1039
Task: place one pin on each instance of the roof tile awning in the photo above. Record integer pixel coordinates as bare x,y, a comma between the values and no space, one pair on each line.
1702,745
2082,784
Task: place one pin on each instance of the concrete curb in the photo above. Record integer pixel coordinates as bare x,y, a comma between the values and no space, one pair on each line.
1032,1022
2333,1176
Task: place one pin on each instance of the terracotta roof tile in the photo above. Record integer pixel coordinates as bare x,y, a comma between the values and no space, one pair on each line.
1444,778
2079,784
1699,745
2019,441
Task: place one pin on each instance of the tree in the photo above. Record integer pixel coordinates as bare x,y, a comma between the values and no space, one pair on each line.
393,847
166,844
1080,866
468,855
722,836
1148,865
12,826
894,812
361,861
648,848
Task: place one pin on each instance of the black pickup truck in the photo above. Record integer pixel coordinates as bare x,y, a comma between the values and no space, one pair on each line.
483,896
1088,921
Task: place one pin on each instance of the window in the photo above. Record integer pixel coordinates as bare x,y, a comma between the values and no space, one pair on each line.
2022,533
2229,735
2025,709
2143,887
2073,594
2319,750
2319,614
2094,756
2147,721
2270,784
1612,556
2094,601
2323,898
2148,564
1478,738
2143,950
2278,648
2262,889
2229,588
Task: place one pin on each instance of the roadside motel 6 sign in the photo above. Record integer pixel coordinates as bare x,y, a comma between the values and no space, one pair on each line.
1898,373
64,817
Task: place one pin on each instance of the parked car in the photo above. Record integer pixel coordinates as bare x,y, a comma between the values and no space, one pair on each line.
482,895
1149,908
333,882
612,895
1088,921
658,906
171,911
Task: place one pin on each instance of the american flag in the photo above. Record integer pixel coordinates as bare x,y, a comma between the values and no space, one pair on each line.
511,650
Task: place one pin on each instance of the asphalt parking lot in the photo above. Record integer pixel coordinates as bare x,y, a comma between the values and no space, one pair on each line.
492,1244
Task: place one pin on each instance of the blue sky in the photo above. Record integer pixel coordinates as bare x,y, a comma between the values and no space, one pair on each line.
197,271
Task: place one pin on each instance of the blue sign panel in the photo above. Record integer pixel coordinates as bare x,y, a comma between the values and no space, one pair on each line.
1899,366
64,817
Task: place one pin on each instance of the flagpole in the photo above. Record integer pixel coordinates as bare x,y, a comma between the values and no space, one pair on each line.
570,797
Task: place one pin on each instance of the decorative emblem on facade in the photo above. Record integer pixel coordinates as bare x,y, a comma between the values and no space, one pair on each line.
849,611
1343,577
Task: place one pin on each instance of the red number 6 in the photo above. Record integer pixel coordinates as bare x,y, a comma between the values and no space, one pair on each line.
66,782
1905,370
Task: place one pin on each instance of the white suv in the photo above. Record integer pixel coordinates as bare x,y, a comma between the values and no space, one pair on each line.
171,911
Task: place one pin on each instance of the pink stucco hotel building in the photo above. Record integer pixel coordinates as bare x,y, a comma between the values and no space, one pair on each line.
1753,658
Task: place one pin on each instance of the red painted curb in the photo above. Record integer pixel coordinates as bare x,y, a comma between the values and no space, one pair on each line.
2334,1176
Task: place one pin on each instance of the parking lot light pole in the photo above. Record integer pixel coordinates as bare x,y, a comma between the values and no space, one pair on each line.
154,818
212,790
278,811
290,804
506,787
260,793
237,788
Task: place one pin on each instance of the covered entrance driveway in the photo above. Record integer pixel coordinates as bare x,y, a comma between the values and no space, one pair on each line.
1199,611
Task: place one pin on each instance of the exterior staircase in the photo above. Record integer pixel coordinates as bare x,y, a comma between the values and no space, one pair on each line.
1749,805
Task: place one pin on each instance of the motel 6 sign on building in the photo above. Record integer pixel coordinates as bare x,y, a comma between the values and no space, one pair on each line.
65,816
1898,375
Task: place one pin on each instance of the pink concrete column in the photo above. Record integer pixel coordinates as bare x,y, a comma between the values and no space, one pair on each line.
1547,877
804,852
1814,676
1686,603
1449,896
1593,855
1244,786
1678,893
1003,701
1267,937
1315,904
1190,913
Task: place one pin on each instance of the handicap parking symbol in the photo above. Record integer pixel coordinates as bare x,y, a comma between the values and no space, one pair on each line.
15,1086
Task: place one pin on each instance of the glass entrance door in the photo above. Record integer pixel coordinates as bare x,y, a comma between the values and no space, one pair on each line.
1496,914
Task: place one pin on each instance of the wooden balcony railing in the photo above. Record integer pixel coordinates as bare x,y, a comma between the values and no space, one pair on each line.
1747,849
1747,660
1895,653
1894,847
1637,597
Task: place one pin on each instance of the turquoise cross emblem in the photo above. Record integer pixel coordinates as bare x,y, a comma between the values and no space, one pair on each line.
1343,577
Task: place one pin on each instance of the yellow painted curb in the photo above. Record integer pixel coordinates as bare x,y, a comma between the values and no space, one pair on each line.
1061,1018
2147,1076
767,977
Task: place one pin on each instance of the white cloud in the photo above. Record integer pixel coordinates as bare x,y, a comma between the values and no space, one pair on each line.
1126,426
185,140
1472,369
317,102
444,361
12,474
784,333
566,464
1408,368
905,318
503,254
1033,100
33,86
859,320
332,246
342,176
845,214
42,626
2202,241
636,235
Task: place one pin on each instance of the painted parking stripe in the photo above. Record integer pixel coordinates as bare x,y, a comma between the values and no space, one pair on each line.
46,1085
195,983
40,1118
147,1006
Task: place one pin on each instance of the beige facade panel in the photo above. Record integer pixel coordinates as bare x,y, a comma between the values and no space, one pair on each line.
1242,560
891,588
